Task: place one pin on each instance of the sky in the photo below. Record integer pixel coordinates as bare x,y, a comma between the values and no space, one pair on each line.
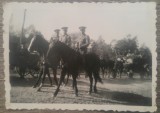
111,21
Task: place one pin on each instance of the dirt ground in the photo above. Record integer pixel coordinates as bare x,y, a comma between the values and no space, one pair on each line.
113,91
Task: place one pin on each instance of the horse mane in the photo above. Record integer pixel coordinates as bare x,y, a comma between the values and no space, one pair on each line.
44,44
42,38
63,47
65,53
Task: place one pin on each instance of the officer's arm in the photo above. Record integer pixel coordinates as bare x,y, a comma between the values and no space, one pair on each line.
51,40
87,42
69,39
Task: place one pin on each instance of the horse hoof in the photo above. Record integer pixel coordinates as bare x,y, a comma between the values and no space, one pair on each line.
54,95
63,85
34,86
76,95
89,93
39,89
95,91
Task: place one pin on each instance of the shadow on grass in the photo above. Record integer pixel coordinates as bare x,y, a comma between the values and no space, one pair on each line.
103,95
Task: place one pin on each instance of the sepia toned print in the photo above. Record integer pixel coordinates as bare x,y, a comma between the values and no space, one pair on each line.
90,56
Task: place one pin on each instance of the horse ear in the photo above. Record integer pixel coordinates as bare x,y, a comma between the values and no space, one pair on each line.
50,45
35,36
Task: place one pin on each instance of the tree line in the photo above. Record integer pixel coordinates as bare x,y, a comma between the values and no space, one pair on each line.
99,46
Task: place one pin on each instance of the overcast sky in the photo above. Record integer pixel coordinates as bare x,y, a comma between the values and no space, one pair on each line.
109,20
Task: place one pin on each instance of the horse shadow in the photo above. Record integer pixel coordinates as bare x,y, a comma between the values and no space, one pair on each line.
126,81
27,82
103,96
125,98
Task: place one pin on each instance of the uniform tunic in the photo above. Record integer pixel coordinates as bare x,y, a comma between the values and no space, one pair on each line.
66,39
84,43
54,38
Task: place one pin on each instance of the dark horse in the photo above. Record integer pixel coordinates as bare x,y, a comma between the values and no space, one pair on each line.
138,66
73,62
118,68
39,44
107,66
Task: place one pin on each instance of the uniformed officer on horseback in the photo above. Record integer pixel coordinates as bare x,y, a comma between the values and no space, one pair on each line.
66,38
56,36
85,40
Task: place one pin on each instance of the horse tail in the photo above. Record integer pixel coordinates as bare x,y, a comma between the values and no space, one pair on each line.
98,67
97,75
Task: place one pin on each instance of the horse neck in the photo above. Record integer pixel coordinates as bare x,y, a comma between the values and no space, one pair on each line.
43,48
63,51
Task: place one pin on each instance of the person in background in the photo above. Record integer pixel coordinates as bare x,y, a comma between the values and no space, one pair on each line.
66,38
56,36
85,40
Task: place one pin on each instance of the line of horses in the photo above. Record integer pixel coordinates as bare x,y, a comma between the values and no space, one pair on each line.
24,62
73,62
117,67
51,54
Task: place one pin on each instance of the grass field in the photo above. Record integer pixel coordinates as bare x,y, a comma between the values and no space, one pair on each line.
113,91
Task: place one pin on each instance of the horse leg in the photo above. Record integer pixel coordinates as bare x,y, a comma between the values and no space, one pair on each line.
63,73
102,71
49,76
108,73
114,73
91,82
63,82
120,72
75,84
40,75
79,75
67,79
43,78
95,84
55,75
130,74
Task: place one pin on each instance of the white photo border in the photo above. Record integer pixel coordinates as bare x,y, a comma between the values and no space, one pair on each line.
30,106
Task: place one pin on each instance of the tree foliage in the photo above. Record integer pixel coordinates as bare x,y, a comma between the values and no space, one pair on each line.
127,44
104,50
146,53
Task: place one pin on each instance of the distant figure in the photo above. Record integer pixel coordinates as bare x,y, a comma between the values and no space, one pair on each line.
85,40
77,46
94,48
129,54
56,37
129,57
66,38
119,55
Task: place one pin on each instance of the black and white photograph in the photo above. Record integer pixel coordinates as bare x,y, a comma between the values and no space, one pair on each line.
94,56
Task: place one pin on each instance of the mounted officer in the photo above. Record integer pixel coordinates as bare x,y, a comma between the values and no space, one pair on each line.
56,36
66,38
85,40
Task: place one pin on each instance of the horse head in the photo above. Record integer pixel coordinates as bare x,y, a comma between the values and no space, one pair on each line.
39,44
33,44
53,55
